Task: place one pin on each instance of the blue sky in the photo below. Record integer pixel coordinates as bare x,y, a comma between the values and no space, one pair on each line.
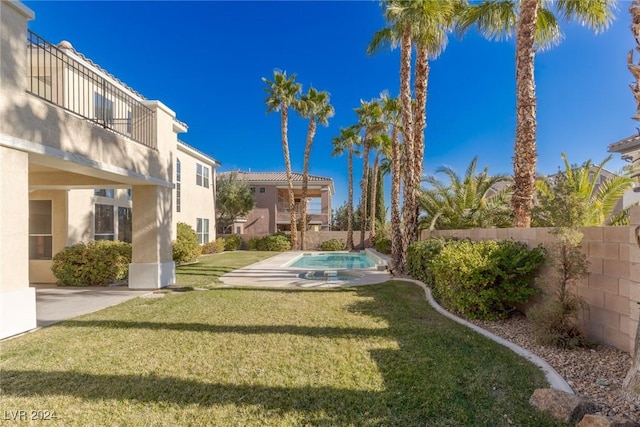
205,61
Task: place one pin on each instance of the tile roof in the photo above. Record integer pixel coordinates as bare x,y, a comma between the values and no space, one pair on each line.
627,144
278,177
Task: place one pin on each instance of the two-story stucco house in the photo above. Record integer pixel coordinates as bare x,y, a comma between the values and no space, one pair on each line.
271,194
83,156
629,149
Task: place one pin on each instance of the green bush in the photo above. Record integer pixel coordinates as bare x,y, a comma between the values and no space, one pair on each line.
332,245
277,242
233,242
382,244
555,319
97,263
186,247
419,257
487,279
214,247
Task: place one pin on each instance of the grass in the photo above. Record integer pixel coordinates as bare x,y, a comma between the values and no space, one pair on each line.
366,356
206,272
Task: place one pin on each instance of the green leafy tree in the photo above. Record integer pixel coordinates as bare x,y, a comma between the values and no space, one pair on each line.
536,28
233,200
580,196
282,92
476,200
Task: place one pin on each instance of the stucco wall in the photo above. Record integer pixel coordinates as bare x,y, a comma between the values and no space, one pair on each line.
612,290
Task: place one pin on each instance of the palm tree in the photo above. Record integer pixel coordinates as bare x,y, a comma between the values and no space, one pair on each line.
632,379
281,94
425,24
581,196
314,106
536,28
348,141
391,111
474,201
370,119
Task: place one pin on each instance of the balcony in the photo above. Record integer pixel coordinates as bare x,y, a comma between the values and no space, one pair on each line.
60,79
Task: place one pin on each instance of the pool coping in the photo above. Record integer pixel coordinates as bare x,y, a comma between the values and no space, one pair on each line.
274,273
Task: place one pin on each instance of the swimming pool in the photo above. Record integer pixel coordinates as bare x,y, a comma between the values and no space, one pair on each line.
336,260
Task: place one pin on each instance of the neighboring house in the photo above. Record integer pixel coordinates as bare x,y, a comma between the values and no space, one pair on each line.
271,193
629,148
83,156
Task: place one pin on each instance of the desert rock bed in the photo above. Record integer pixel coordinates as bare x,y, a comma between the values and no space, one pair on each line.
594,373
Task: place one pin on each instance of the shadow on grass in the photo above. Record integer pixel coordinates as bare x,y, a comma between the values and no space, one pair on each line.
441,374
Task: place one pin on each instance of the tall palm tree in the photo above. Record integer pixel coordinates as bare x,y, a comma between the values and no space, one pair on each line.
473,201
391,111
632,379
348,141
536,28
423,24
281,94
583,196
314,106
370,119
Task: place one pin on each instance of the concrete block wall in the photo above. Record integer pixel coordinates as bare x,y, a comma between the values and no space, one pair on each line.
612,290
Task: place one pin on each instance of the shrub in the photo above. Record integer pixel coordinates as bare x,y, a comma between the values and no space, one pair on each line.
332,245
419,257
382,244
484,280
555,319
276,242
97,263
186,247
233,242
214,247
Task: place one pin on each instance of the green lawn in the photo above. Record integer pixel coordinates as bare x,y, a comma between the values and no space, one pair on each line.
205,273
366,356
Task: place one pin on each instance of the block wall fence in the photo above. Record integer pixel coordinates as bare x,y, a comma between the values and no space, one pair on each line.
612,289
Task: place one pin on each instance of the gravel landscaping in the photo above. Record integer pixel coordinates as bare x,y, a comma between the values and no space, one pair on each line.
595,373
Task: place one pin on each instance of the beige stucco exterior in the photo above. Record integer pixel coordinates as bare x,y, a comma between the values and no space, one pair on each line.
55,148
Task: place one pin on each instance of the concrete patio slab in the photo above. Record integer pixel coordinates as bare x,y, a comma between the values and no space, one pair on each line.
55,303
272,272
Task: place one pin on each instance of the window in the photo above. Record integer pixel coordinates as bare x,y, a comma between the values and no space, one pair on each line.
129,194
104,192
202,175
103,109
124,224
202,230
104,222
262,190
253,190
40,234
178,179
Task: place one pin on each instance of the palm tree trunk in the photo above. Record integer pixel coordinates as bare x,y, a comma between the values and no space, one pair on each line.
350,201
287,165
524,159
305,180
396,226
407,139
632,379
363,187
419,125
373,198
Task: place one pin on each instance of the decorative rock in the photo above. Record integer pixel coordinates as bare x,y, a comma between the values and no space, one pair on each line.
591,420
561,405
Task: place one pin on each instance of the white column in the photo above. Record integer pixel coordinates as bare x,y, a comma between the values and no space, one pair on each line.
152,264
17,299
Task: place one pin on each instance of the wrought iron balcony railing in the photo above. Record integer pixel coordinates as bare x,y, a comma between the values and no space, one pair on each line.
64,81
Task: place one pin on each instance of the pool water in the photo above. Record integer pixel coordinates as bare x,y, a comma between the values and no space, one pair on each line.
340,260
